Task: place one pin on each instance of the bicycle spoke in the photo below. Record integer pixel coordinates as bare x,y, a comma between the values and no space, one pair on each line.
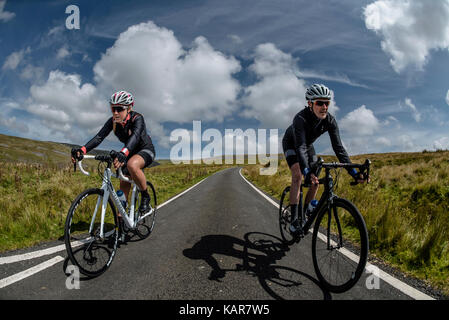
87,248
334,228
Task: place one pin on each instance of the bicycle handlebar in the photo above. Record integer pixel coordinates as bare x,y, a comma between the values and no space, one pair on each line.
364,168
105,158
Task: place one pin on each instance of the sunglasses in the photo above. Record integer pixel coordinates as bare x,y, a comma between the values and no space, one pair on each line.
118,109
321,103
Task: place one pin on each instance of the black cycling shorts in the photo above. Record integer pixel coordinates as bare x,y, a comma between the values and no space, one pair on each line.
292,157
146,154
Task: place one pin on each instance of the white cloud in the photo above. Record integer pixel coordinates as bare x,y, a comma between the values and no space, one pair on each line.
409,29
405,143
415,113
383,142
14,59
12,124
447,97
441,144
235,39
63,103
5,15
62,53
360,122
170,83
278,94
31,72
342,78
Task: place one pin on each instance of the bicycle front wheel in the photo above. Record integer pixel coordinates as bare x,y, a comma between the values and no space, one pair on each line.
145,222
339,246
87,249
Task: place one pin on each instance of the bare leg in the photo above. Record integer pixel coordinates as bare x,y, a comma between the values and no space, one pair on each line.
135,165
311,194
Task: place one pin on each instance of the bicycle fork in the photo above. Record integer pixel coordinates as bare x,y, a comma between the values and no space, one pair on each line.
330,243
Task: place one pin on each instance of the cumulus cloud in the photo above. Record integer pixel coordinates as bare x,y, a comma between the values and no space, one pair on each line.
383,142
13,124
441,144
360,122
278,93
63,103
170,83
447,97
409,29
5,15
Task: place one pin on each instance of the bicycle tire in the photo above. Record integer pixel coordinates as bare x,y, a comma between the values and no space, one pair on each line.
350,221
285,218
83,248
145,227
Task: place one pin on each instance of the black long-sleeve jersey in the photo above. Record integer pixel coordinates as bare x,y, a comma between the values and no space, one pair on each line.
132,133
306,128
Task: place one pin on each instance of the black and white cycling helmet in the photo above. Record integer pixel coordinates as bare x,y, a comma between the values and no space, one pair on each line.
318,91
123,98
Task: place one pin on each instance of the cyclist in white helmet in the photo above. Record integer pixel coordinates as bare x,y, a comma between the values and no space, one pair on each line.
138,151
297,143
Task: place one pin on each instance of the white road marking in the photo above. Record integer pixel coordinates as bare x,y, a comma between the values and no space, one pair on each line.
398,284
39,253
31,255
29,272
52,250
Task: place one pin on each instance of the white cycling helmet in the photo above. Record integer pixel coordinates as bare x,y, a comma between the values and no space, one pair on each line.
318,91
123,98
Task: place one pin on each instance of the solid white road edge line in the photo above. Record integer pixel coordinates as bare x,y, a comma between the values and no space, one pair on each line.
29,272
398,284
44,252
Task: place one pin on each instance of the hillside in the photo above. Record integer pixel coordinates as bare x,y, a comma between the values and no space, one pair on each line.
38,184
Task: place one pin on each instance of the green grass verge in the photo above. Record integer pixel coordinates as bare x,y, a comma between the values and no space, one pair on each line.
405,207
36,198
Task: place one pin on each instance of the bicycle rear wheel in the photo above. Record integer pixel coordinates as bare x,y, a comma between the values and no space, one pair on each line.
339,246
285,217
145,226
86,250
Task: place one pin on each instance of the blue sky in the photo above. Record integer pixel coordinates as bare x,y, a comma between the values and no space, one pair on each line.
231,64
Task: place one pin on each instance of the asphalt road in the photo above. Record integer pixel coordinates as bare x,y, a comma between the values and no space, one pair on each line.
220,240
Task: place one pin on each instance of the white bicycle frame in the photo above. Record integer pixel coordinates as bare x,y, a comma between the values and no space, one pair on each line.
109,191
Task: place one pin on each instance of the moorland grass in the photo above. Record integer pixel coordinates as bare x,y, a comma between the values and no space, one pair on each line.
36,198
405,207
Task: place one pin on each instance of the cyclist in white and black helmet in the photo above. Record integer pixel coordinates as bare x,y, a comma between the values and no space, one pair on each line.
297,143
138,151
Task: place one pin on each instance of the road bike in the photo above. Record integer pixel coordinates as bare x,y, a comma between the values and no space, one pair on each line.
92,229
339,230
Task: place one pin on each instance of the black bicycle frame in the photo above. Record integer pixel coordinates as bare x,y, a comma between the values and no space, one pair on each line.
325,200
328,195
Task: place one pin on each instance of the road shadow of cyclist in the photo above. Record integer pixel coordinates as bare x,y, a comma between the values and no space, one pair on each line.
259,253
